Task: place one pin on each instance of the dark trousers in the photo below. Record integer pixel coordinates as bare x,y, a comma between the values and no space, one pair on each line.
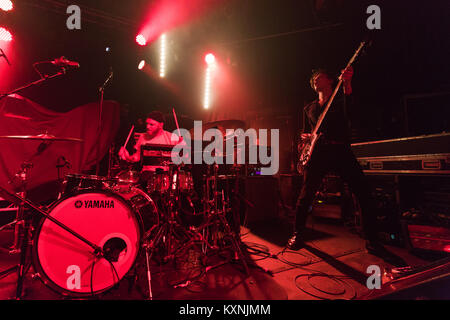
337,158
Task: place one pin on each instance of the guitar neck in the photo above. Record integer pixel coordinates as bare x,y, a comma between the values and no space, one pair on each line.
323,114
336,89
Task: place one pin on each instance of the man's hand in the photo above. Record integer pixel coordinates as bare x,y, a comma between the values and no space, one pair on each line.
124,154
305,136
346,77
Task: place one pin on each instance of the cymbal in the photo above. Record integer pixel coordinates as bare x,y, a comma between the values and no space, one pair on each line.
43,137
222,125
157,147
226,124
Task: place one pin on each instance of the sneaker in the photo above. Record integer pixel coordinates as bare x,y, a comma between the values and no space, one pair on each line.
295,242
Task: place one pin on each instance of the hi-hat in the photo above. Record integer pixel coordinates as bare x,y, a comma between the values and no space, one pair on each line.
43,137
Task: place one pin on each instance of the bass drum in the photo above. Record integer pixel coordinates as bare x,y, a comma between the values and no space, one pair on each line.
114,222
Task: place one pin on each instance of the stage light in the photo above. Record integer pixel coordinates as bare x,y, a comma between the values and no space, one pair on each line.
6,5
140,39
210,58
162,62
207,97
141,65
5,35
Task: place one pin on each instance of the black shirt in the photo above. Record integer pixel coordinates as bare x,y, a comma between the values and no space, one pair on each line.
335,126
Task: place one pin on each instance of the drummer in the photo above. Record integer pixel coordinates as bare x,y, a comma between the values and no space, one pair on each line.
154,160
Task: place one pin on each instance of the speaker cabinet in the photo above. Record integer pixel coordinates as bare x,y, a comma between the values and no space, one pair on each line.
262,197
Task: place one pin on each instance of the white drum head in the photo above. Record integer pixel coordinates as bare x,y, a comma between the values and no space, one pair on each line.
67,262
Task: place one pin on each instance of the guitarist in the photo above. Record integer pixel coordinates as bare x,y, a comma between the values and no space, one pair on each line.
332,153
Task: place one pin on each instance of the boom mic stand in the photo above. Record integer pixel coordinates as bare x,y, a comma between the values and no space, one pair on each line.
3,95
100,124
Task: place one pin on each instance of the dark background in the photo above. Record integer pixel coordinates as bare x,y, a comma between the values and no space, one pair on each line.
270,46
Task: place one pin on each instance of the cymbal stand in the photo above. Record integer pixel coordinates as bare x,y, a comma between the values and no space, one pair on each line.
19,220
216,218
23,238
168,231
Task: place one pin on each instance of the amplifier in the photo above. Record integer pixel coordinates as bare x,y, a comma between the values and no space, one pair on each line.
404,200
261,196
427,237
387,195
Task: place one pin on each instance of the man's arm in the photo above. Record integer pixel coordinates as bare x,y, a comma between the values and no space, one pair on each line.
136,157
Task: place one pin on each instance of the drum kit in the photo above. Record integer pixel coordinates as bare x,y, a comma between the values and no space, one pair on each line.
85,242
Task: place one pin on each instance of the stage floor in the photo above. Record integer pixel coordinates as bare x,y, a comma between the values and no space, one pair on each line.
333,265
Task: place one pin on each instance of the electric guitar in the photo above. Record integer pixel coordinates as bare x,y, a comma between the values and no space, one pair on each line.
308,145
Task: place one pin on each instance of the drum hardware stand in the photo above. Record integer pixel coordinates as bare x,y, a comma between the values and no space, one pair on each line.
61,163
19,222
42,79
217,218
164,232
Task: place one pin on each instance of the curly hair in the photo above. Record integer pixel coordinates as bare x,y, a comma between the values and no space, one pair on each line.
316,72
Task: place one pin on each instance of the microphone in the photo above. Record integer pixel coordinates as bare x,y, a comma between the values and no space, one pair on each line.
4,56
63,62
110,76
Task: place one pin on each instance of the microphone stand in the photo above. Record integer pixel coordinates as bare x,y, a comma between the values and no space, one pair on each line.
100,124
42,79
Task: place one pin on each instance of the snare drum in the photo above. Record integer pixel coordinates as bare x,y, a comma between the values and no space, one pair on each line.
114,222
75,182
128,177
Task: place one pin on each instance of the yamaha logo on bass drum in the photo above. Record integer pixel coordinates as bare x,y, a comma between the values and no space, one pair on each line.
94,204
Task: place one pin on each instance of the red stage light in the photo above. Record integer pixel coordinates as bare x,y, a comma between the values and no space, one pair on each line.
5,35
140,39
210,58
6,5
141,65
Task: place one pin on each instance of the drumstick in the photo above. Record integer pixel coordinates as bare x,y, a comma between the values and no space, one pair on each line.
176,122
132,128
